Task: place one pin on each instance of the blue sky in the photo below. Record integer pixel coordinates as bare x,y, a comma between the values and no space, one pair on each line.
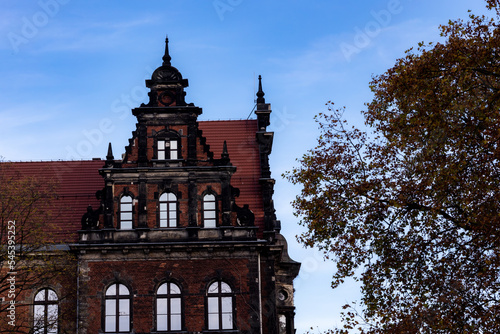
71,71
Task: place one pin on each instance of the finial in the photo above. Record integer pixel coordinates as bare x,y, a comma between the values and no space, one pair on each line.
166,58
225,155
260,93
224,148
109,157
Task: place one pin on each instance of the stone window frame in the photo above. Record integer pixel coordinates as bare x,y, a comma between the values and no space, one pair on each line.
168,203
161,139
117,296
219,314
120,212
45,302
169,296
204,219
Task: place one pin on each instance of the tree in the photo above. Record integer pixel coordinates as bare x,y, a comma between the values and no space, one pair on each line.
29,257
412,207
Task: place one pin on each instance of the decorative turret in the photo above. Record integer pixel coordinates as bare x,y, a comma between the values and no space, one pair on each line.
264,137
166,84
265,140
263,110
166,133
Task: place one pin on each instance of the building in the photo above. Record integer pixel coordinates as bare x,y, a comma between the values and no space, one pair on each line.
180,235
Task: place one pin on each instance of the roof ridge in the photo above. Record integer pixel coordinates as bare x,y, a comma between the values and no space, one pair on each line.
229,120
51,160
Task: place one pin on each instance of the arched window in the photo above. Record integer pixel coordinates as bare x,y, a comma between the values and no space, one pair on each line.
168,307
168,210
117,316
126,212
209,211
45,312
220,311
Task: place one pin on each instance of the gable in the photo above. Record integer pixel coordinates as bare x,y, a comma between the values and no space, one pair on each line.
76,182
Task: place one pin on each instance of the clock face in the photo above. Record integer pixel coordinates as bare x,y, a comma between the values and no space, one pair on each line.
167,98
282,295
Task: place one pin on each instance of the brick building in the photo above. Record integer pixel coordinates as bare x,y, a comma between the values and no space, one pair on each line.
180,235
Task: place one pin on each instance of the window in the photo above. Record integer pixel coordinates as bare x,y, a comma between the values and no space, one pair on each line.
126,213
117,309
220,306
282,323
168,149
209,211
168,308
168,210
45,312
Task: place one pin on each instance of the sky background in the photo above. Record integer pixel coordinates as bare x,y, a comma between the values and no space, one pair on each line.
71,70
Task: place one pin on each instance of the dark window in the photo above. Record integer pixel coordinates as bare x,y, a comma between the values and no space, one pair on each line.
220,306
168,308
45,312
117,309
209,211
167,149
168,210
126,214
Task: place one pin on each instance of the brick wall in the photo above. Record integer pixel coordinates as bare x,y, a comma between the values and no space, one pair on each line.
193,275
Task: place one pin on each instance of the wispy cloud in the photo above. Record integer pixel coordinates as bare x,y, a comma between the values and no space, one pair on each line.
24,115
93,35
87,36
324,61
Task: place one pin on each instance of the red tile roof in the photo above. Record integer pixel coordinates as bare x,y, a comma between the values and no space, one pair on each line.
78,181
244,154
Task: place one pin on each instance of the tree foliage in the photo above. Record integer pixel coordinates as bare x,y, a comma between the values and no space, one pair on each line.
29,257
413,206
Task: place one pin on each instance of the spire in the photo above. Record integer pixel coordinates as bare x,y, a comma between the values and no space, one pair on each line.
166,58
260,93
224,149
110,159
263,110
224,155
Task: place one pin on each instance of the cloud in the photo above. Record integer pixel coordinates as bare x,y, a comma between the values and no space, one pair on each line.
70,34
24,115
92,36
